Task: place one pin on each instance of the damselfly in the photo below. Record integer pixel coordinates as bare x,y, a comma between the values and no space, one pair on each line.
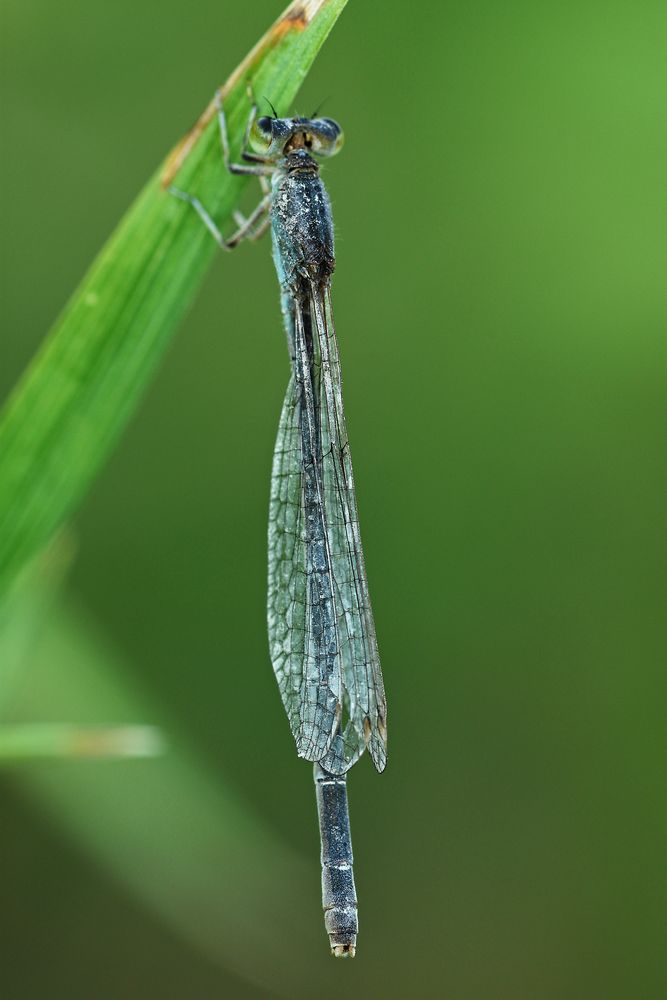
321,629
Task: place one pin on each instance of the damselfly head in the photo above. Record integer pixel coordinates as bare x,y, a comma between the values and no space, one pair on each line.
276,137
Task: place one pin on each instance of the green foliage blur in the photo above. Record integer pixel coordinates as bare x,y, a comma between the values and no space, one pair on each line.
500,302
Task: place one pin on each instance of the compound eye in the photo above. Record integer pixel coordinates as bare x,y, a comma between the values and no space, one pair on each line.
264,125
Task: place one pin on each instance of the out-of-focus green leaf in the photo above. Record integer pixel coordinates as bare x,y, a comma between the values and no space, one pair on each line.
168,829
33,740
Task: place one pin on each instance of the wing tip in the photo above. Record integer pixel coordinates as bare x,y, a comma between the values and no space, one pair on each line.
375,738
378,752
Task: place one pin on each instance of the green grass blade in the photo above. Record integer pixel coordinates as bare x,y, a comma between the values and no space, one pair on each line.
67,412
61,740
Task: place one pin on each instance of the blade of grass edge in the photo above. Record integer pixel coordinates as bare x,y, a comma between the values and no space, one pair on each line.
67,412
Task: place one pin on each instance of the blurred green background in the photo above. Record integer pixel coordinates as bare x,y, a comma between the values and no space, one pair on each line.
500,300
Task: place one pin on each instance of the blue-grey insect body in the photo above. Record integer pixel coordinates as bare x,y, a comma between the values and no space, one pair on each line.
321,629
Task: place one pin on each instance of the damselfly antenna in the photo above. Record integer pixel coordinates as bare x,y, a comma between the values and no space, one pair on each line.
275,113
319,106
